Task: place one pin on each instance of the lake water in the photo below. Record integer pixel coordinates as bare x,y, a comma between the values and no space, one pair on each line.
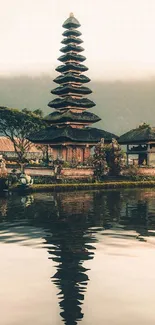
78,258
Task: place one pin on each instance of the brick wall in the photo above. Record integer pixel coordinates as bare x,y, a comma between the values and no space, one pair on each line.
66,172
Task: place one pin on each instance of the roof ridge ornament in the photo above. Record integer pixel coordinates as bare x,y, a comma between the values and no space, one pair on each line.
71,15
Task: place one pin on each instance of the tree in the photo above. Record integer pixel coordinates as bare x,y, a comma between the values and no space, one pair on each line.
99,160
115,158
108,158
37,112
17,126
44,148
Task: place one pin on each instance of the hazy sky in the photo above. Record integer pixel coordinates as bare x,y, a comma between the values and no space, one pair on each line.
118,36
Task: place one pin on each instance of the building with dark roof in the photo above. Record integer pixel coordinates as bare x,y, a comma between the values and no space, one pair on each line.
69,133
140,142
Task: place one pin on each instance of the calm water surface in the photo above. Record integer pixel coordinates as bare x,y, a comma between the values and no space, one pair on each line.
78,258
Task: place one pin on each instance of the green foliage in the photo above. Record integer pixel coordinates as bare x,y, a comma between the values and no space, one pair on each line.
3,182
115,158
144,125
99,160
89,161
66,164
37,112
17,126
44,149
44,179
132,170
108,158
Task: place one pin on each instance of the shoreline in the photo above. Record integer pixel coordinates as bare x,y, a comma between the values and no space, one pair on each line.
82,186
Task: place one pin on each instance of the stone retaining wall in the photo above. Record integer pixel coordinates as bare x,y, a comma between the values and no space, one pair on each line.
65,173
83,172
146,171
77,172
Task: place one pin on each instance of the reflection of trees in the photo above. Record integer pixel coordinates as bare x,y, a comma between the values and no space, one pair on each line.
137,215
3,207
106,208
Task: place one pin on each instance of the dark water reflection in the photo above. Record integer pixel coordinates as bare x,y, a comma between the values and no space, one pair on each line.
72,228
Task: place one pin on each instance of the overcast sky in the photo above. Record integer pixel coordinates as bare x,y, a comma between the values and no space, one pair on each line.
119,36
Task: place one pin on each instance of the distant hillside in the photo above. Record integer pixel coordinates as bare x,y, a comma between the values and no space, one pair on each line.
121,105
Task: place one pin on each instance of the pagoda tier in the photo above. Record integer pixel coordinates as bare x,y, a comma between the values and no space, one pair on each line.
71,77
71,56
69,102
72,48
60,135
71,39
72,32
70,67
71,22
67,117
71,90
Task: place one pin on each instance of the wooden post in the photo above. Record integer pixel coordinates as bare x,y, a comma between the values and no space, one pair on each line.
127,155
86,152
127,159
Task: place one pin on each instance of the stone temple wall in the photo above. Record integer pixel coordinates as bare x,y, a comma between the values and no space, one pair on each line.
147,171
65,173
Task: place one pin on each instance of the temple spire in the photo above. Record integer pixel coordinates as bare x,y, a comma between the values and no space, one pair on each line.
69,133
72,90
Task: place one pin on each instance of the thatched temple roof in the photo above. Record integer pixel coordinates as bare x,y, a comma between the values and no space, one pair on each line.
85,117
71,77
72,56
144,133
72,47
72,39
71,22
71,89
71,66
71,32
55,134
61,103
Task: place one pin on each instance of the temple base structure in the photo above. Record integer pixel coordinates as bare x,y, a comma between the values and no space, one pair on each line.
71,153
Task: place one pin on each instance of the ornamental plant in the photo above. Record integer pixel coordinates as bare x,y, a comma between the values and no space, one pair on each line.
100,160
115,158
108,159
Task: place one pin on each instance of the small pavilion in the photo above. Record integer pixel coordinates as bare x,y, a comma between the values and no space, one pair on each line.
140,142
69,133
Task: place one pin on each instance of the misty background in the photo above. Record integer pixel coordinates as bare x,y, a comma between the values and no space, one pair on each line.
122,105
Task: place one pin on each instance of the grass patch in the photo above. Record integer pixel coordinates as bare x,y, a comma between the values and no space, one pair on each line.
86,186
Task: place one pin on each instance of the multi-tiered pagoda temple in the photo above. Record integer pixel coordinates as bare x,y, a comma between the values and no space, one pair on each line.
69,134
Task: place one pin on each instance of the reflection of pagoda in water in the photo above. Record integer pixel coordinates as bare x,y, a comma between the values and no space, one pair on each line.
69,204
69,231
70,250
136,214
69,245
